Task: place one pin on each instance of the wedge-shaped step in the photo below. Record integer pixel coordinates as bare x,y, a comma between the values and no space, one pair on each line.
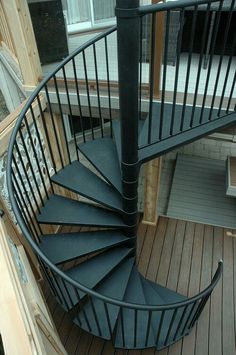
166,294
89,273
116,127
132,325
76,177
101,153
62,210
167,326
63,247
102,321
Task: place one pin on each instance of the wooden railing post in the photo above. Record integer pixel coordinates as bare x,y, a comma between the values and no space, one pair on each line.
152,170
21,30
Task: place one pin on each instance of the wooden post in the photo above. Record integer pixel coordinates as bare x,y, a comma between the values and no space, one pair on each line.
20,26
151,191
152,170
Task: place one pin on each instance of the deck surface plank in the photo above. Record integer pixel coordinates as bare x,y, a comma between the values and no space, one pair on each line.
183,256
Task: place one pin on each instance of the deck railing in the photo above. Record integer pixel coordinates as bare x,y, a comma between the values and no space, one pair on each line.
200,87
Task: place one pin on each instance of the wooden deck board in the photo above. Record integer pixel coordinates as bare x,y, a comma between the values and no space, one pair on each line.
198,192
183,256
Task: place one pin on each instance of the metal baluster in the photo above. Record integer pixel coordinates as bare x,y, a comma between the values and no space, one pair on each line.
135,327
188,318
36,156
27,178
108,319
108,83
194,21
88,94
97,85
58,291
78,100
68,295
122,326
23,208
54,129
199,310
140,67
180,322
152,73
227,75
82,310
179,41
164,73
30,166
26,193
70,110
221,57
46,134
171,326
61,114
160,327
148,327
41,147
203,43
211,58
96,317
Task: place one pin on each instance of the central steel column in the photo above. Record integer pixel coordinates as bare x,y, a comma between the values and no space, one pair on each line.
128,28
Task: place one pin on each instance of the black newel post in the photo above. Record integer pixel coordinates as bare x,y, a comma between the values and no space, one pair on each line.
128,28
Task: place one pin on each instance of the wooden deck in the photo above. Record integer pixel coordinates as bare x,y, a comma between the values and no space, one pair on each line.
182,256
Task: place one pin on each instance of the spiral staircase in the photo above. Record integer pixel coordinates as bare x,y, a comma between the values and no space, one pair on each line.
103,291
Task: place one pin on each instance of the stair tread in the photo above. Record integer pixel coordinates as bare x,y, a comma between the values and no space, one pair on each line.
116,127
114,286
63,247
61,210
90,272
153,297
105,160
166,294
134,294
76,177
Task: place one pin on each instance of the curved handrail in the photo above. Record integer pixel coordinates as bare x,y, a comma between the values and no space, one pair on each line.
26,231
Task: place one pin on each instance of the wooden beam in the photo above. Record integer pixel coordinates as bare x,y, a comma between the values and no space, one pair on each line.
151,191
152,169
20,26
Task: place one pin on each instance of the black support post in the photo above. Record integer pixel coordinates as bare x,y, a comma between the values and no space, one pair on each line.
128,28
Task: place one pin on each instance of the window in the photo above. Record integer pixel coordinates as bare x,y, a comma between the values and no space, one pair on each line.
83,14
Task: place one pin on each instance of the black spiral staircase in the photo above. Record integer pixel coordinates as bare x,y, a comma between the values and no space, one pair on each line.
93,272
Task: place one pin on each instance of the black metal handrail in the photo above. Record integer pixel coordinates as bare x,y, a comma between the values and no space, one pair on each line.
29,179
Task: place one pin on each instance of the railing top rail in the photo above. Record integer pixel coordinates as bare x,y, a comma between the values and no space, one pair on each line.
171,5
42,84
